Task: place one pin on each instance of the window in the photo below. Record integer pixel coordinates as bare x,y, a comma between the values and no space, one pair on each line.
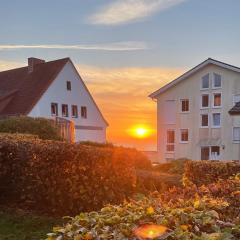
204,120
217,100
210,153
216,119
205,81
236,134
236,99
64,110
84,112
54,109
69,87
184,135
185,105
74,111
205,152
205,100
170,140
217,80
215,152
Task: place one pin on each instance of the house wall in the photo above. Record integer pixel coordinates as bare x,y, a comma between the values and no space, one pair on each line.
93,128
190,88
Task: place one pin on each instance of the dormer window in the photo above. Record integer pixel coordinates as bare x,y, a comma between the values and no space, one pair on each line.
217,81
69,87
205,81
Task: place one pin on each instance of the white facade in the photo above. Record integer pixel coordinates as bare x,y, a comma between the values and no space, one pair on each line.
91,128
193,122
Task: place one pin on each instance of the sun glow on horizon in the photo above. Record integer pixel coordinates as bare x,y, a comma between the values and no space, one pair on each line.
140,131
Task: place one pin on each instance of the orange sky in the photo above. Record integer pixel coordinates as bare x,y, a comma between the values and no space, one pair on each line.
122,95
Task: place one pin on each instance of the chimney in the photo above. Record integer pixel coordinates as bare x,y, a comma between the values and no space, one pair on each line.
32,62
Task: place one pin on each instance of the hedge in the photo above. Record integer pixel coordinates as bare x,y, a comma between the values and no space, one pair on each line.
181,213
41,127
62,178
149,181
205,172
173,167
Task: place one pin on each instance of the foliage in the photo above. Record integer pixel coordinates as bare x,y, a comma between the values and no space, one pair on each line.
18,225
192,213
63,178
172,167
205,172
149,181
97,144
41,127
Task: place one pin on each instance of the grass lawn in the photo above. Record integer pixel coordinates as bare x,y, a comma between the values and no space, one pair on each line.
18,225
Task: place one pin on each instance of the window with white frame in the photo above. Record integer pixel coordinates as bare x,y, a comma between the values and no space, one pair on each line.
69,85
170,140
236,98
204,120
184,135
216,119
205,101
205,81
217,80
74,111
83,111
184,105
64,110
236,134
217,100
54,109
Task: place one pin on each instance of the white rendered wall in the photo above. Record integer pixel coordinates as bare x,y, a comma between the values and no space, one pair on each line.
58,93
190,88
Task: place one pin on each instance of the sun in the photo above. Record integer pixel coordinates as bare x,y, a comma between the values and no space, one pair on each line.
141,132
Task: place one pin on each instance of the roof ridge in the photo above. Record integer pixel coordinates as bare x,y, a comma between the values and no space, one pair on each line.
18,68
191,71
8,70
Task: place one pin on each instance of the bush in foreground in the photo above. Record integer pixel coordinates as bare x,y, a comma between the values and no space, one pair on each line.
192,213
41,127
205,172
63,178
173,167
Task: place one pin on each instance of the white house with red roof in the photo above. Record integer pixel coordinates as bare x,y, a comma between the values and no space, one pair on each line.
198,114
52,89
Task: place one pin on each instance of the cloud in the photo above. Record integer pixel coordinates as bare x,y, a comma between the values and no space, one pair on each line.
116,46
125,11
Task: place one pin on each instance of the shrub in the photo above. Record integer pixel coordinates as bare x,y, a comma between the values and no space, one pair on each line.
139,159
41,127
63,178
149,181
192,214
173,167
96,144
205,172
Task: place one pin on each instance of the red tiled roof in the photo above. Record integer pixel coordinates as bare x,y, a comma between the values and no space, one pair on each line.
21,90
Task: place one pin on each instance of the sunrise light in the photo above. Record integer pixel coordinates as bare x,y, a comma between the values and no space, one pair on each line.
140,131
